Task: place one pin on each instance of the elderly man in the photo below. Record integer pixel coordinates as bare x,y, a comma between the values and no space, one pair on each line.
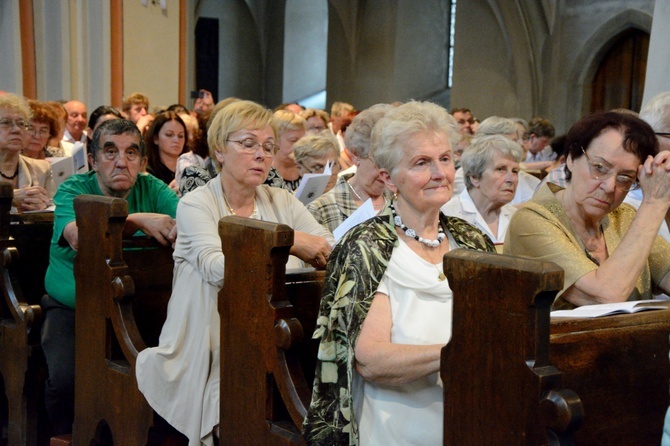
74,126
117,158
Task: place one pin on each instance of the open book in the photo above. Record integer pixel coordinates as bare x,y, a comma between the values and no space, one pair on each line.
312,185
609,309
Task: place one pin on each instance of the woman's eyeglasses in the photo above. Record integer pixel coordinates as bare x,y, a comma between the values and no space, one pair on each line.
600,171
250,146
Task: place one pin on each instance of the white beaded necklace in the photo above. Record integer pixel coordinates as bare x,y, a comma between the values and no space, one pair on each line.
412,233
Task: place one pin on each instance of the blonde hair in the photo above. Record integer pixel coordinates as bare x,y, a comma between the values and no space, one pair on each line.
311,112
316,146
287,120
233,118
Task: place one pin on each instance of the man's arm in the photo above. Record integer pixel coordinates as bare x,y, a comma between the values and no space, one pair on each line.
159,226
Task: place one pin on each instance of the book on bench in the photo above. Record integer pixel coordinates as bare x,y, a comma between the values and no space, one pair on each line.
609,309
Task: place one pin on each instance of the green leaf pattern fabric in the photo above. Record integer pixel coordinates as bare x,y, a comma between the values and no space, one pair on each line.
355,269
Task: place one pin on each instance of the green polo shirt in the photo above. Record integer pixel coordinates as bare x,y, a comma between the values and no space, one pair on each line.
149,194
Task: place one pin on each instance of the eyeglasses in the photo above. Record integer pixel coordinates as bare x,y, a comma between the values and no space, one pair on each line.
601,172
250,146
8,123
40,132
663,134
320,168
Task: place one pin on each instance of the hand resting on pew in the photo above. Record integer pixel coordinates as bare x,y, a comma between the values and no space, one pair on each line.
311,249
33,198
159,226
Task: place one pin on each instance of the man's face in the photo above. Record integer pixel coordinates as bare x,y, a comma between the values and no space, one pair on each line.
118,162
465,121
76,118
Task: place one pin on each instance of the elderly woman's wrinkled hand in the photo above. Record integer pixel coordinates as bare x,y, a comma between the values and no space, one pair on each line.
654,177
32,198
311,249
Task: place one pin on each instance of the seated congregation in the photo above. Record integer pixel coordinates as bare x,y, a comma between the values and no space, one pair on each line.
247,321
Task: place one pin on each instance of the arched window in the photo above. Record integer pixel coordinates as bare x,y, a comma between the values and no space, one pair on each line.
619,79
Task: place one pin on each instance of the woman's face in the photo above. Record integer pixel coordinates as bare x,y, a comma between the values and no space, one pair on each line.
12,137
249,169
286,142
38,136
171,138
424,177
598,197
498,182
315,124
367,175
312,164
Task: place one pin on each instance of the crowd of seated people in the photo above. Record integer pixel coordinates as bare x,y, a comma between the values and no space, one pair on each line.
434,181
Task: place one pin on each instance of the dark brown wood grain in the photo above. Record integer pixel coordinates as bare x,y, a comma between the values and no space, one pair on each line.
24,256
122,293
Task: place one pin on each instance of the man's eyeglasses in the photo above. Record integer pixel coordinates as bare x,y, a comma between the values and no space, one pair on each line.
663,134
601,172
7,123
250,146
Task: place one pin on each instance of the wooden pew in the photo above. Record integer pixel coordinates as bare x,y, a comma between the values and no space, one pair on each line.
514,377
267,319
619,367
499,384
122,300
24,248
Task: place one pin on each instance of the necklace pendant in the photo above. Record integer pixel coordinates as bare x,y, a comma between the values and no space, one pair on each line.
441,277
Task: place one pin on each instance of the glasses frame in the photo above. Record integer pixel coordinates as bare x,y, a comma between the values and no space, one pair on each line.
663,134
9,123
602,177
255,148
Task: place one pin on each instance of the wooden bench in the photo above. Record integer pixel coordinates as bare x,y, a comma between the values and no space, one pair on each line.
267,318
24,248
511,376
122,292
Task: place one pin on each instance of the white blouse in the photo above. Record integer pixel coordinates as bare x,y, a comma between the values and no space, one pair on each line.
421,310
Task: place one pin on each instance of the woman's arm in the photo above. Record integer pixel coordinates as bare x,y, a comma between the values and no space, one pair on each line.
616,277
380,361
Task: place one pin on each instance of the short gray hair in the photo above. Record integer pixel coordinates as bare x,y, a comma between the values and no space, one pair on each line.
16,103
116,127
495,125
657,112
399,124
357,136
480,153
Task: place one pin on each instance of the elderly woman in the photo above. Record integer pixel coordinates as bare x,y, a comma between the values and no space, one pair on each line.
314,152
166,142
180,377
32,179
285,172
386,306
495,125
43,126
491,171
317,120
352,190
609,252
